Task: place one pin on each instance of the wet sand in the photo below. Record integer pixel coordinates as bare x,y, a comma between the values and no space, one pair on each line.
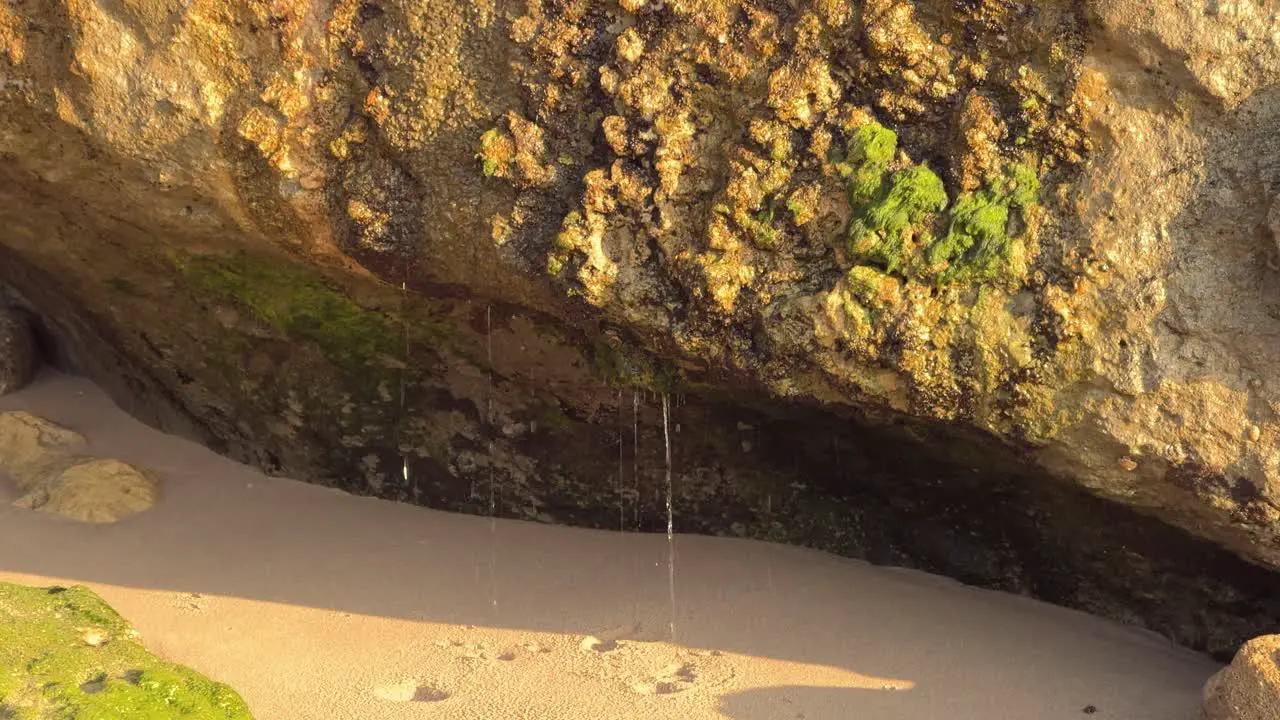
315,604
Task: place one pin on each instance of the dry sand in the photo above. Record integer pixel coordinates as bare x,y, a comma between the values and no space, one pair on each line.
318,605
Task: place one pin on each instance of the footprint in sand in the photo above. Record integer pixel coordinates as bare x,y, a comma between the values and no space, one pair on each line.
191,602
694,670
675,678
536,648
479,652
410,691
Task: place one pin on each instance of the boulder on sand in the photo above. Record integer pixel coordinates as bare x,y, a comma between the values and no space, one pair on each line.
1248,688
39,456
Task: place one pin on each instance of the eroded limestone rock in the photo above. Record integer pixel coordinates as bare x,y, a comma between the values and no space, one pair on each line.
429,249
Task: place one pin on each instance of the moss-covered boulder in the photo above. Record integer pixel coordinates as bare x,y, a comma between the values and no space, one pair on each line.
64,653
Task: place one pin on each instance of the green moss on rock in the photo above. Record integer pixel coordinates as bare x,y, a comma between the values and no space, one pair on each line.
65,654
910,197
897,221
760,227
495,152
300,304
551,418
868,154
886,206
978,239
620,366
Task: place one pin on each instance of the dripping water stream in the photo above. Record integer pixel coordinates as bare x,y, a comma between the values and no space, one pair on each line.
635,457
635,500
671,542
404,371
489,431
622,464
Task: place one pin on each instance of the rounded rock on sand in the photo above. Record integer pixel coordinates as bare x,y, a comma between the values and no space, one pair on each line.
1248,688
32,448
19,356
96,490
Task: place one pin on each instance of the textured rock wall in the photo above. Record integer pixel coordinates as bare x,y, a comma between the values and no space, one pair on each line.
455,252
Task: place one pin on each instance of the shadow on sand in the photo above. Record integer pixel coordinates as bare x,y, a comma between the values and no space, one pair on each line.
839,629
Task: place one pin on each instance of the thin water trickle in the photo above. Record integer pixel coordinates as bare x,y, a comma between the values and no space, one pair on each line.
493,564
489,430
836,443
635,500
635,455
671,542
488,400
622,464
666,439
404,370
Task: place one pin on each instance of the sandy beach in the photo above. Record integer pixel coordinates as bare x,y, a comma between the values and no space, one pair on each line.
319,605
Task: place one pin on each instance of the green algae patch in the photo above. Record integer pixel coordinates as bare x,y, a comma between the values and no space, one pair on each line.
903,221
910,197
887,208
301,305
760,227
552,419
868,154
495,152
623,367
65,654
978,241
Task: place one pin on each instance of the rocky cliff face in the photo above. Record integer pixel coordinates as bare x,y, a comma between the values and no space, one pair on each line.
984,287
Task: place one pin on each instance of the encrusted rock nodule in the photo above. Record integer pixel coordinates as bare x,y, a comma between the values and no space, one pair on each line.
19,357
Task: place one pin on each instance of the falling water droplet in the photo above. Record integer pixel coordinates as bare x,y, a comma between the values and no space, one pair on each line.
493,562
